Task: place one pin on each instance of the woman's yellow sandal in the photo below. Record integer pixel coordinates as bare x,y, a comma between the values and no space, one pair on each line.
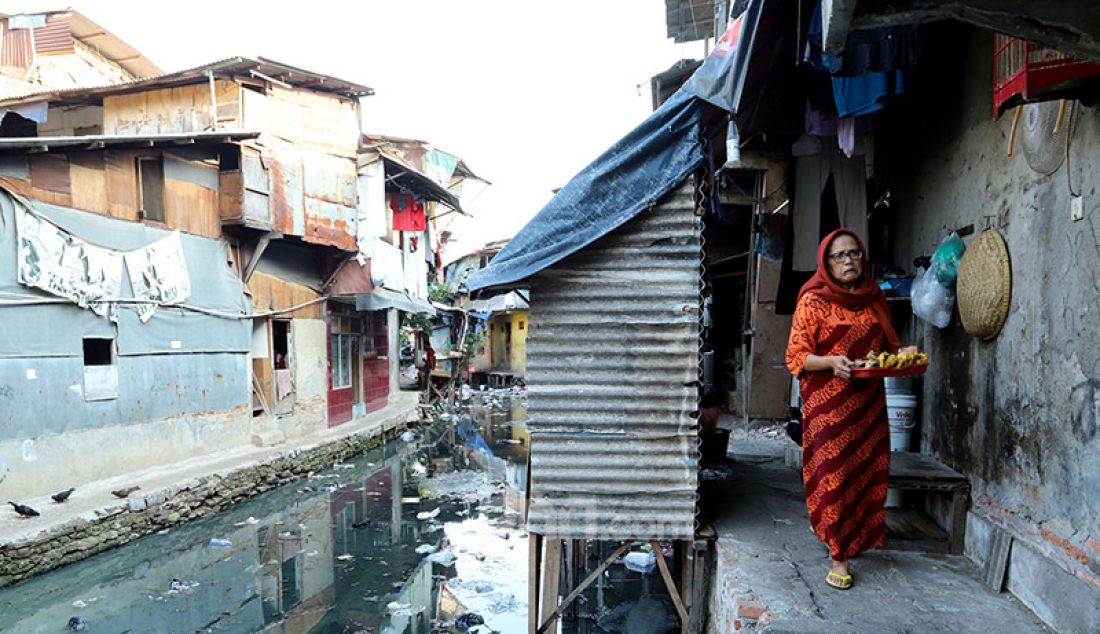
838,581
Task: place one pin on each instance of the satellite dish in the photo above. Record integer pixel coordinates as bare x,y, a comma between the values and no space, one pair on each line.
1044,135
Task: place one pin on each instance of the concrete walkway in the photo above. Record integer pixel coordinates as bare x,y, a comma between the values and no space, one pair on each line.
770,568
93,500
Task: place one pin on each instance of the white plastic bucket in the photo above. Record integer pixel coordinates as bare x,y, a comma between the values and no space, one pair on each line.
901,412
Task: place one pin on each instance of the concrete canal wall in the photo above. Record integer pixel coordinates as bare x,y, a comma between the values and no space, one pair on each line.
95,521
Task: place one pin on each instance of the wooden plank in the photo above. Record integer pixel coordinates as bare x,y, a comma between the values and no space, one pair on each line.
685,621
551,581
191,209
914,466
957,527
261,369
273,293
534,545
699,585
179,110
684,561
51,197
122,199
88,174
911,524
230,195
996,562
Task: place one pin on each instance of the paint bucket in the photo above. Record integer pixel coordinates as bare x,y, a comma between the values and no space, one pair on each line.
901,409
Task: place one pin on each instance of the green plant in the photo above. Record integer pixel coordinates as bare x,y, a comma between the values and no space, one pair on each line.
440,294
472,341
419,322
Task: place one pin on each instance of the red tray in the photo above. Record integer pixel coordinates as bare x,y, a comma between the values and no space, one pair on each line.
878,373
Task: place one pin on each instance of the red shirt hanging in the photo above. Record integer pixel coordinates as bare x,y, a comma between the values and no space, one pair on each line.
408,213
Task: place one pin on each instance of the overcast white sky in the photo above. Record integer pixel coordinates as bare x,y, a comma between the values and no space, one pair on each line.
526,92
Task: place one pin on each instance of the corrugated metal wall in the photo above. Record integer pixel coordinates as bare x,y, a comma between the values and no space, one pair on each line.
56,36
613,353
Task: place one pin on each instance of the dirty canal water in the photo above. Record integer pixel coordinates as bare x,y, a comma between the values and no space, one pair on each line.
406,538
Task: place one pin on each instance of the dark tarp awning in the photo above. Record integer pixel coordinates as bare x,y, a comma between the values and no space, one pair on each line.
633,174
383,298
636,172
406,177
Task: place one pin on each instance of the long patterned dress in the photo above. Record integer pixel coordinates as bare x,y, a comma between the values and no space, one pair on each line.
845,437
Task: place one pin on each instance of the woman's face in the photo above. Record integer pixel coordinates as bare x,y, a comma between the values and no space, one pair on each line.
845,260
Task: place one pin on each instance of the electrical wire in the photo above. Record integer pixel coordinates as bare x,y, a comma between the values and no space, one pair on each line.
31,300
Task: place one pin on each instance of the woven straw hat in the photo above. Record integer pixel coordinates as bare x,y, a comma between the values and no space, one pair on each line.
985,285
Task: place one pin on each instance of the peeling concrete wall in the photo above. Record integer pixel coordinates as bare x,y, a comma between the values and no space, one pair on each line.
310,343
1019,415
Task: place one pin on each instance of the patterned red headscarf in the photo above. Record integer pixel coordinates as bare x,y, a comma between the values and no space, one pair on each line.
865,294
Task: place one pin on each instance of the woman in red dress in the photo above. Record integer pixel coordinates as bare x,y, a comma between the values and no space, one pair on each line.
842,315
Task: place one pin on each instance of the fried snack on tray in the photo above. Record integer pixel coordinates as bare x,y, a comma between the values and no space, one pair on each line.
888,360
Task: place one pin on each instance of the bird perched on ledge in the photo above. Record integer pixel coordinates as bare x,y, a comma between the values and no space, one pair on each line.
63,496
23,509
122,493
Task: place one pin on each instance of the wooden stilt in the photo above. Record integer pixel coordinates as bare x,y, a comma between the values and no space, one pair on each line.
535,555
683,563
545,627
551,580
671,585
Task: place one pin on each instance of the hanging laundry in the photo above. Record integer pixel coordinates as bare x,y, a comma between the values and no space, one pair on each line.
870,92
408,212
812,173
878,50
873,71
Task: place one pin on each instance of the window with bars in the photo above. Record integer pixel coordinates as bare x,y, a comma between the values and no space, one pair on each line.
343,354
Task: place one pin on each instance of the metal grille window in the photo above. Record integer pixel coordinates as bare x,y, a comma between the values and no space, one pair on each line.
342,355
344,348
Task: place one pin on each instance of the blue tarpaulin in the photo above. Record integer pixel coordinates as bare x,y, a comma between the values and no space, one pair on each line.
649,162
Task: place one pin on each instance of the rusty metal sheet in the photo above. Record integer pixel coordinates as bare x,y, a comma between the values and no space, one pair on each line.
16,48
330,224
257,190
56,36
287,205
613,360
329,178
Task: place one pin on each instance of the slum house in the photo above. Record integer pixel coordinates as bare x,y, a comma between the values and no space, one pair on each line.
62,49
980,128
616,268
501,354
498,325
282,200
404,232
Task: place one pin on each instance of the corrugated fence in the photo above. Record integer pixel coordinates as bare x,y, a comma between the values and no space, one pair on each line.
613,355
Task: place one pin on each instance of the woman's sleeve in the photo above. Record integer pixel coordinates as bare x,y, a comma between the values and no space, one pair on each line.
803,339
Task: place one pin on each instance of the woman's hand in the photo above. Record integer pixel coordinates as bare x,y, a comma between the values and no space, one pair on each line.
841,366
912,349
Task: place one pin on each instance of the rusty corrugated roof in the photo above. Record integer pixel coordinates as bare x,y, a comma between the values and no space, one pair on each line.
98,141
258,68
689,20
